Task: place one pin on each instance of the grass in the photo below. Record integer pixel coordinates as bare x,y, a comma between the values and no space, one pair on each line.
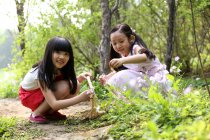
12,128
185,116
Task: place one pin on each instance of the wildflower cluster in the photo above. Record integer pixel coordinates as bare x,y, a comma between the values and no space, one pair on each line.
176,66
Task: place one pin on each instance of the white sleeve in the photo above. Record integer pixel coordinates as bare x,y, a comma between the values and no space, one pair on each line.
30,80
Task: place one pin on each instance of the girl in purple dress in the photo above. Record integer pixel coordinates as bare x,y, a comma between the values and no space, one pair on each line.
134,67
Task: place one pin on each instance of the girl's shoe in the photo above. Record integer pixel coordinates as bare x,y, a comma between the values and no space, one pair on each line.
55,116
38,119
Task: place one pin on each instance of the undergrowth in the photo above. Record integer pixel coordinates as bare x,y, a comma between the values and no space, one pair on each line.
181,116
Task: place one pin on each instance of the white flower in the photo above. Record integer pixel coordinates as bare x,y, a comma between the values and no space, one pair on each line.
172,68
124,88
187,90
177,58
178,70
98,108
133,30
197,79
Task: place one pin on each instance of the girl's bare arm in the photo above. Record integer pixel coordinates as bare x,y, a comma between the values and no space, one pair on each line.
56,104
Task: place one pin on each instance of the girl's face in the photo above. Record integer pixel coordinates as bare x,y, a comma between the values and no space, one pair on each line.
60,59
120,43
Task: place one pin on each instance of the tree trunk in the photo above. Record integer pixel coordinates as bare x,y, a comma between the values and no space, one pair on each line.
21,23
104,47
171,23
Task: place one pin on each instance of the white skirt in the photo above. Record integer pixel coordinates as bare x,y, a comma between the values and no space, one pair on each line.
130,80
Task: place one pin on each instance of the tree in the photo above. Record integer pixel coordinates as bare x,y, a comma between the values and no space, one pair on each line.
21,23
171,21
104,47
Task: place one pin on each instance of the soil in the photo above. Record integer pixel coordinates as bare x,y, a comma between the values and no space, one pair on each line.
13,108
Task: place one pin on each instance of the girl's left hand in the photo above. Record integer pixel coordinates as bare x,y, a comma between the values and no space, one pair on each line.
83,76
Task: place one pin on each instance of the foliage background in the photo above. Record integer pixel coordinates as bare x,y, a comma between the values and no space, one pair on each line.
184,117
148,18
80,22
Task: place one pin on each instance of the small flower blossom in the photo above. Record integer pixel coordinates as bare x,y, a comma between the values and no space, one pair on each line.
124,88
98,108
178,70
197,78
177,58
172,68
133,30
187,90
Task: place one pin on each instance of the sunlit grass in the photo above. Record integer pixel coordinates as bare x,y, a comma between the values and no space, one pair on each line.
9,85
1,74
5,75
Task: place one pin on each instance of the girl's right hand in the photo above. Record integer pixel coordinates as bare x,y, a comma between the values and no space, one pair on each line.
102,79
90,93
116,62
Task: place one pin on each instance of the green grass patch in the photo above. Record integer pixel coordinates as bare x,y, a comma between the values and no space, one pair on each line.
184,116
196,81
12,128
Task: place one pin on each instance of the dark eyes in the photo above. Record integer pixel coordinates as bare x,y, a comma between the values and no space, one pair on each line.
122,41
62,52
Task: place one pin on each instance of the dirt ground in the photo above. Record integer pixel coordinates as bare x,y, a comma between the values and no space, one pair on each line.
13,108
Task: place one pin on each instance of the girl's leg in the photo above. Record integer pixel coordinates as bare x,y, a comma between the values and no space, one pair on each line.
62,92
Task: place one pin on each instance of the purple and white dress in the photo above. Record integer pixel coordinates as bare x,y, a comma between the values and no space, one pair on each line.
139,77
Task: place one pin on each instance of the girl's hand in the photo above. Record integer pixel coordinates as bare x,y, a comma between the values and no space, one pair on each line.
83,76
102,79
116,62
90,93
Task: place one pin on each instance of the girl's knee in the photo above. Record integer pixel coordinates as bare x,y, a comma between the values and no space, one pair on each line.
62,89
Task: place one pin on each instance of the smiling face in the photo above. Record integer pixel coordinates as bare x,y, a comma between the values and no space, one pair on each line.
120,43
60,59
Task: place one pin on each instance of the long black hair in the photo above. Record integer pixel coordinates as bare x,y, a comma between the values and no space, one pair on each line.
125,29
46,67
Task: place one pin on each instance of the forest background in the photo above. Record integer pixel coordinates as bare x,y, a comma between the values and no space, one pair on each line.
165,25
